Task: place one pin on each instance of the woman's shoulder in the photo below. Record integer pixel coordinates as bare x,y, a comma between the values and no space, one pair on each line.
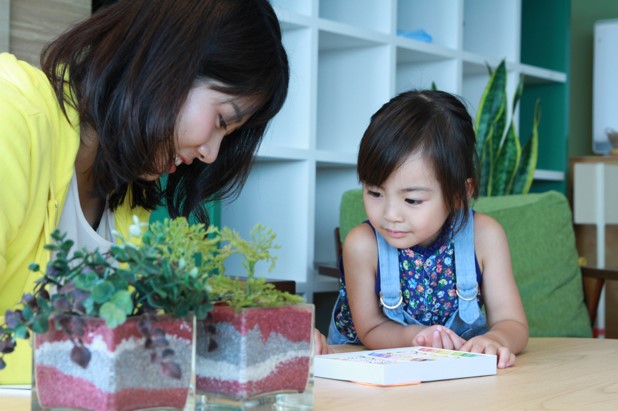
20,74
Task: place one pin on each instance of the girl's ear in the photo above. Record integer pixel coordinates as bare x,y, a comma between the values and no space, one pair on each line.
470,188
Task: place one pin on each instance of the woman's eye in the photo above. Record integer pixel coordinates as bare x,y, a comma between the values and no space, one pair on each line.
222,123
413,202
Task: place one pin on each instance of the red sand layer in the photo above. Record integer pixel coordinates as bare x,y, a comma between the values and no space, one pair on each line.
113,337
294,323
289,375
55,389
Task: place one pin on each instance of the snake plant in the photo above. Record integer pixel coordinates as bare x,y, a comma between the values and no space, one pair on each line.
505,166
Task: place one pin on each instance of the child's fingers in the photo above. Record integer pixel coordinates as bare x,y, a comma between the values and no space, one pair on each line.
442,338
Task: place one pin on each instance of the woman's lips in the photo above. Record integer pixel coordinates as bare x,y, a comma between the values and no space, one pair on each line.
174,165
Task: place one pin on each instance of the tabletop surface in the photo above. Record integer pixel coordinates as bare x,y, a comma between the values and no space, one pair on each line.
551,374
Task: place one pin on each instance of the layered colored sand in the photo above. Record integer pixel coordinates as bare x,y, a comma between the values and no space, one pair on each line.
120,375
254,351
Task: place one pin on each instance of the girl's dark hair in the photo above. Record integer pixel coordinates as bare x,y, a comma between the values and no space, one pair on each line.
129,69
435,124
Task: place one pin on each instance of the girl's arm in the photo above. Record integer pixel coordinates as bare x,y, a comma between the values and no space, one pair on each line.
374,329
508,327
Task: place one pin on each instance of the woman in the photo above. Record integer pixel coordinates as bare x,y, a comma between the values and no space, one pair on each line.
141,89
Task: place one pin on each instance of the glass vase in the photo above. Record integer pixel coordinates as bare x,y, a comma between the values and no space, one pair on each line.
122,374
255,358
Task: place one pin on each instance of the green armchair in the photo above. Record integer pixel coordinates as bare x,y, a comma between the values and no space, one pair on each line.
539,228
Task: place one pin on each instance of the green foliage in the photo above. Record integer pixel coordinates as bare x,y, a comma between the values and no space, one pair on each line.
504,167
176,269
164,274
249,292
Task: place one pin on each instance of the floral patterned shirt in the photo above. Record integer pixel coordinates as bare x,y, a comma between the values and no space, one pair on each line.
428,284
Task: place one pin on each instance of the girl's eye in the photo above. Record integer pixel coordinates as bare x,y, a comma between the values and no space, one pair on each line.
413,202
373,193
222,123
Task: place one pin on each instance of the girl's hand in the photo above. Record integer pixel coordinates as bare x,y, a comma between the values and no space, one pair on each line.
319,343
438,336
485,345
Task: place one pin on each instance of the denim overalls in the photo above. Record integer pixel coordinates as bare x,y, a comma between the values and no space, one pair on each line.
467,322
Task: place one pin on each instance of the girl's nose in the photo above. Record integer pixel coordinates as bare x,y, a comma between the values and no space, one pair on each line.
391,212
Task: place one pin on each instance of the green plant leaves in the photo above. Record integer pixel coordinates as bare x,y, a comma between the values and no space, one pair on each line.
112,314
168,272
122,300
503,167
492,106
249,292
102,292
86,280
525,172
40,324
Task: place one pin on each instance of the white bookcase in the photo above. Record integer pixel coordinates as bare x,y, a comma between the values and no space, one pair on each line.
346,61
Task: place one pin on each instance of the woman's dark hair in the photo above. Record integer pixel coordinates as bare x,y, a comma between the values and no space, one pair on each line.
435,124
129,69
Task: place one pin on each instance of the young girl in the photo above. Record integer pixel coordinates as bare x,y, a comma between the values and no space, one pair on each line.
422,267
141,89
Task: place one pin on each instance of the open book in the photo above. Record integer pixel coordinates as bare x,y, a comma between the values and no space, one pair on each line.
397,366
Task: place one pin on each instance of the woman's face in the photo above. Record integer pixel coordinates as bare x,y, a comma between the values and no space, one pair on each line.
203,122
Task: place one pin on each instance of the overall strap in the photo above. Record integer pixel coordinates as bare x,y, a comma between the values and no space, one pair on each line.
465,266
390,286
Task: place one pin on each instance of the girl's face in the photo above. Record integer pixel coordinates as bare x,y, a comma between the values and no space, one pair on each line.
408,209
206,117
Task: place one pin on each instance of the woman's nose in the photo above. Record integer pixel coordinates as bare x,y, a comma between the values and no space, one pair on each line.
208,152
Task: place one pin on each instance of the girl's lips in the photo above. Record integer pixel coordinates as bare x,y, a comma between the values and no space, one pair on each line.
395,233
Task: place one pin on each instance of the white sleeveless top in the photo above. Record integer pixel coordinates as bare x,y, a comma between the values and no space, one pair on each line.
74,223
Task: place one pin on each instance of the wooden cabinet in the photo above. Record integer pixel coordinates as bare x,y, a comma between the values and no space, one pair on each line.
586,242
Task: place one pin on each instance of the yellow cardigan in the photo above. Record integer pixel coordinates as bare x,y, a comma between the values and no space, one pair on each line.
38,147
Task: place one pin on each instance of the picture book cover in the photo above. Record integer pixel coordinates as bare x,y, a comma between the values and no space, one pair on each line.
400,366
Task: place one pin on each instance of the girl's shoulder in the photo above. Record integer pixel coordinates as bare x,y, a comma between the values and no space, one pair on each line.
486,225
360,239
488,232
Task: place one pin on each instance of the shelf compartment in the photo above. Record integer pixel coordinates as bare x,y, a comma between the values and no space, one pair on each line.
414,15
352,84
336,158
276,195
371,14
492,28
296,6
331,183
420,75
292,125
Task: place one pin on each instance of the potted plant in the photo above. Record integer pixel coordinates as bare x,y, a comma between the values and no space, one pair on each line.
505,167
114,330
256,344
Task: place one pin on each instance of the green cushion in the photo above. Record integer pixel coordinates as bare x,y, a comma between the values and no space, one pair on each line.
540,233
351,211
539,229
